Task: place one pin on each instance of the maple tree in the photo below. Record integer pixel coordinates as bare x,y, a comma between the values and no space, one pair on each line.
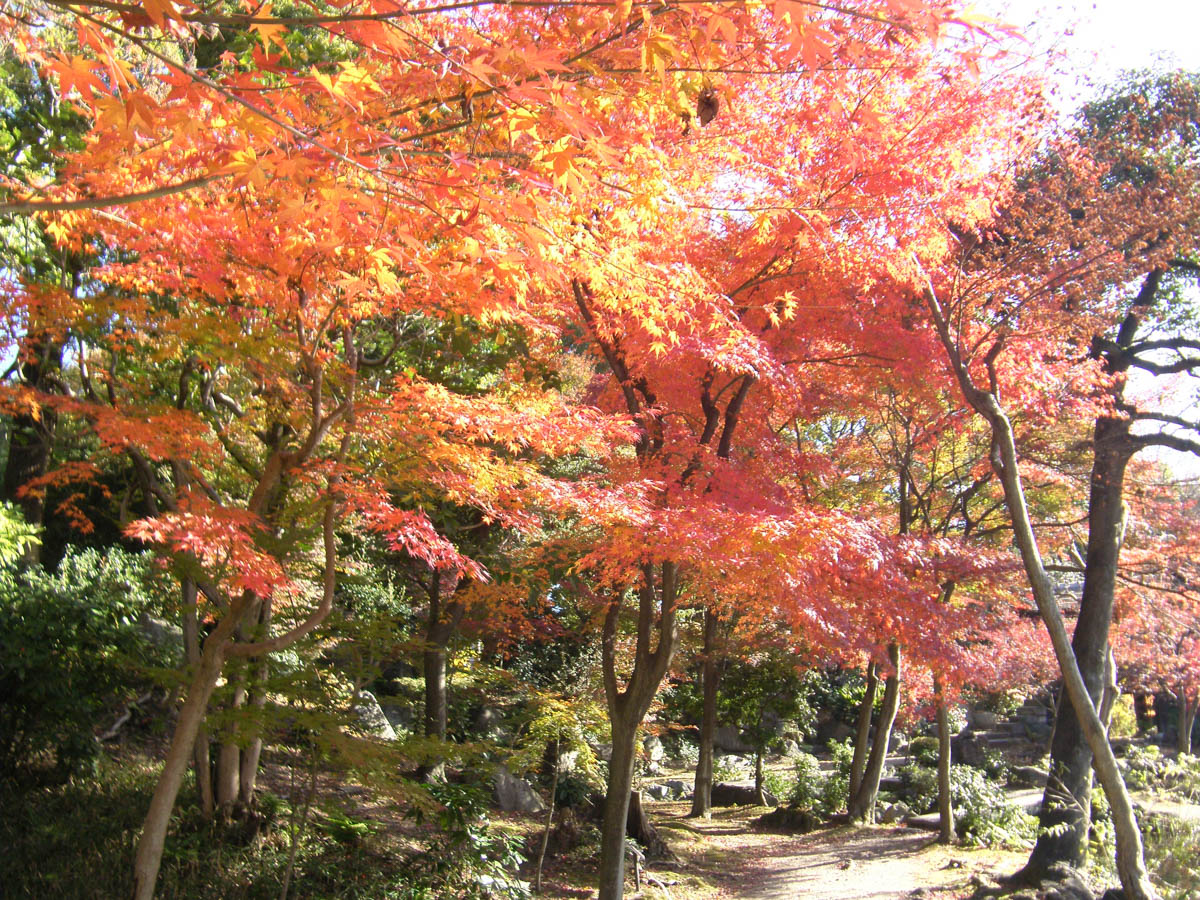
708,204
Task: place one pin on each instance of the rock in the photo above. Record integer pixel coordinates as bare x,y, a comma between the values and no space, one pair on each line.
489,724
727,739
834,730
399,716
897,812
568,762
724,794
653,748
656,791
516,794
163,634
653,769
680,790
1028,777
371,719
791,748
968,748
604,752
1064,883
787,819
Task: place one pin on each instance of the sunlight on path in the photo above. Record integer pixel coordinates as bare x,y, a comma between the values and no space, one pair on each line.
860,864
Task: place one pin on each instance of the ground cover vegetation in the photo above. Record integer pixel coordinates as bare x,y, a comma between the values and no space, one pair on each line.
411,409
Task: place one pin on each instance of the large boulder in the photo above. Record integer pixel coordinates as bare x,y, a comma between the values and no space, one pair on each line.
167,636
724,794
371,720
1061,883
1028,777
515,794
728,740
679,790
653,748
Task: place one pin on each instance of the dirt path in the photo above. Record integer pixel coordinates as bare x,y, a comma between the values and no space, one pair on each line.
842,863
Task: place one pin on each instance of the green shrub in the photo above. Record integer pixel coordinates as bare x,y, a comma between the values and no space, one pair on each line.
70,649
1144,768
983,813
1123,721
924,750
918,787
1173,856
808,785
1183,778
465,858
835,792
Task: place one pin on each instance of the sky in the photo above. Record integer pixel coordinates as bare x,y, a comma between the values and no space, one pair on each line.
1107,36
1102,38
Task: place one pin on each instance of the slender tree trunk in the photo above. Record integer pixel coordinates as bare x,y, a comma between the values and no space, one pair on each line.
200,758
229,759
710,678
616,811
259,671
657,600
1066,804
760,796
444,616
862,734
1131,866
861,807
537,881
154,829
31,441
1189,701
945,806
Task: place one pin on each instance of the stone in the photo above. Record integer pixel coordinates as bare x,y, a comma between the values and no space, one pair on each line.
399,716
1064,883
1028,777
727,739
163,634
604,752
653,748
725,794
897,812
657,791
515,794
568,762
371,719
679,790
653,769
787,819
791,748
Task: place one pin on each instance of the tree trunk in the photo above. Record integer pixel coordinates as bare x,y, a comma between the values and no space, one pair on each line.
945,806
862,734
710,678
537,881
616,811
31,440
1130,862
154,829
1066,804
200,757
627,708
1189,701
259,671
444,616
861,807
760,795
639,828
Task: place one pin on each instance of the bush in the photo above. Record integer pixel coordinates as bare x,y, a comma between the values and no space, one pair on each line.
924,750
1123,721
1144,768
808,786
983,813
918,787
465,858
835,792
69,649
